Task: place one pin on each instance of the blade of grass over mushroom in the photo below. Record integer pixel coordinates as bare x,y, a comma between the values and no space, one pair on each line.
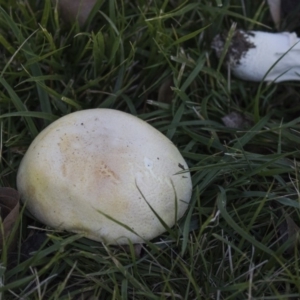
176,200
118,222
162,222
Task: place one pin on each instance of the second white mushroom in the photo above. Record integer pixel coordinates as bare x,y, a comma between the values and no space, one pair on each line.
261,56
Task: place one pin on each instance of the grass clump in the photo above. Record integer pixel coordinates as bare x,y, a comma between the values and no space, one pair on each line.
153,60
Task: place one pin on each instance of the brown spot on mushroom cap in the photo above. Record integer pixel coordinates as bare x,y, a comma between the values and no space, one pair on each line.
70,149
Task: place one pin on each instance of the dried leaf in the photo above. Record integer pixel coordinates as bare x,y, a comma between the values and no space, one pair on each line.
165,93
236,120
9,205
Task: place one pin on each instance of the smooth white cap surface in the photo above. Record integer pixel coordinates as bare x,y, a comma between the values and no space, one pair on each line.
269,47
104,160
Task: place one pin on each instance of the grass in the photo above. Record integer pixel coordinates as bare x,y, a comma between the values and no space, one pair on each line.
230,244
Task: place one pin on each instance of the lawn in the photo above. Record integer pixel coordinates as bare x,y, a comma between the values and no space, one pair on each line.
153,59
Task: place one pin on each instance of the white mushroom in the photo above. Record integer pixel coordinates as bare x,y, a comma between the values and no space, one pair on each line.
72,10
93,171
257,55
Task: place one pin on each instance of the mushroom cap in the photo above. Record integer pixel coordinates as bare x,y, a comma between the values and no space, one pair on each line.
252,54
103,173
